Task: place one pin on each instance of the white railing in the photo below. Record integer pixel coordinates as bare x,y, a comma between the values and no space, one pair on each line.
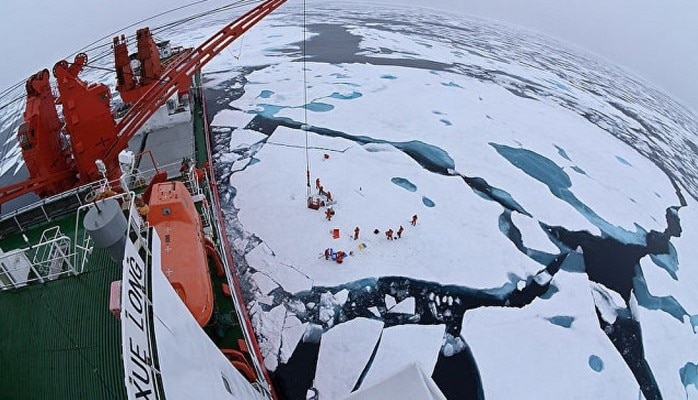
53,254
57,254
44,203
49,259
198,195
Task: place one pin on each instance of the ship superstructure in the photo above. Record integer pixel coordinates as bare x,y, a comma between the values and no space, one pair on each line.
119,282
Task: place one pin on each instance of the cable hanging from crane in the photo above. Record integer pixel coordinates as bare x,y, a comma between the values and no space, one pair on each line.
305,106
169,26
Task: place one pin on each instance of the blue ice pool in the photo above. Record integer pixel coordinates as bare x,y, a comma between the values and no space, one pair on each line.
404,183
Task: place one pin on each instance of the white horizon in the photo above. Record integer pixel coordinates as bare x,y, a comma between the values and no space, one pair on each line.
655,41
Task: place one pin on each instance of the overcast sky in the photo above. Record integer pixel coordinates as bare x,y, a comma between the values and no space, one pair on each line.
656,39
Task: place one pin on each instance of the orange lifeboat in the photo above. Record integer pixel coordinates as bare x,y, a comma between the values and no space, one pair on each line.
184,262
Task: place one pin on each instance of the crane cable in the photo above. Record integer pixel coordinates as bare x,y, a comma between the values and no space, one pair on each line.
105,49
305,107
17,103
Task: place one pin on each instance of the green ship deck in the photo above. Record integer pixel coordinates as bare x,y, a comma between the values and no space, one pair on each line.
59,340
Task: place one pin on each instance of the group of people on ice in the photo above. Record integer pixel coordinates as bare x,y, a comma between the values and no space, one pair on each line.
337,256
329,213
389,233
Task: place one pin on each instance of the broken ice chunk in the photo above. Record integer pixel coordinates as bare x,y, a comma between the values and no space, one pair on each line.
344,352
389,301
406,306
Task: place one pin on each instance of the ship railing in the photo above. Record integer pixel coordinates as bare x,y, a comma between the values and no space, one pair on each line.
44,211
198,195
51,258
139,178
56,253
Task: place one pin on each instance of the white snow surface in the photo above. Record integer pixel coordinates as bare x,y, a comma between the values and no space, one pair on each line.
389,301
402,345
686,246
461,229
669,345
264,283
409,383
516,347
607,301
272,324
273,266
290,336
406,306
274,181
336,375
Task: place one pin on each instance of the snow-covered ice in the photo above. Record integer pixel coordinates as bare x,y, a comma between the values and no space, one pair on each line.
379,176
275,181
292,333
267,262
272,324
336,375
402,345
607,302
406,306
408,383
516,347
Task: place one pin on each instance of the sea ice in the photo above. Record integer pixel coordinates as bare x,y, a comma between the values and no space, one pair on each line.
292,333
504,341
406,306
607,301
402,345
344,352
272,324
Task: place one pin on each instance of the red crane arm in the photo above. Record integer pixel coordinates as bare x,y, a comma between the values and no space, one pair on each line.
181,73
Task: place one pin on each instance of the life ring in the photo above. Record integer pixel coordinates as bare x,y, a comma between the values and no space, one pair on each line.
238,360
90,196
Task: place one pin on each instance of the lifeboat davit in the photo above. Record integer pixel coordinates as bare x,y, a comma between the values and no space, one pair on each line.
173,214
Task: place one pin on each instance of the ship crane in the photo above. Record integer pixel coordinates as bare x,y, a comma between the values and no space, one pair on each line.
92,131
